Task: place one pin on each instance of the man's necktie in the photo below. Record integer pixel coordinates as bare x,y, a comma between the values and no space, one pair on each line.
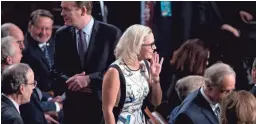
82,46
217,112
47,56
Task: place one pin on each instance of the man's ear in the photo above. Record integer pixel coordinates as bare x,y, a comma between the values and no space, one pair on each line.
22,88
84,11
9,60
29,26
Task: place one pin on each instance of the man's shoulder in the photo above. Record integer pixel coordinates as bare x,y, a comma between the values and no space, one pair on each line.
8,111
109,27
63,29
189,105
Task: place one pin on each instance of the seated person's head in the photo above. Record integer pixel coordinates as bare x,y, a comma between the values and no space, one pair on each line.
18,82
239,107
10,29
40,25
10,51
187,85
220,80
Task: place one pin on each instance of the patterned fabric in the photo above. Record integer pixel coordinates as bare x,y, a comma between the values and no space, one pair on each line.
137,89
82,46
47,56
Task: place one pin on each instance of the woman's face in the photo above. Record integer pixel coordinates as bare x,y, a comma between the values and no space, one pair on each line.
148,47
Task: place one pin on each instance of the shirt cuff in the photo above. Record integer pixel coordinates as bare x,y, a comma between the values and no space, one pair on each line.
49,99
57,107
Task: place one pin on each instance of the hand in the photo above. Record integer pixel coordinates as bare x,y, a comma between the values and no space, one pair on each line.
231,29
50,120
57,99
245,16
78,81
155,67
51,113
60,105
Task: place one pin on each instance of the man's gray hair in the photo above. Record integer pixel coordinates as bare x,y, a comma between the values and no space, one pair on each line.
7,48
13,76
214,74
5,29
188,84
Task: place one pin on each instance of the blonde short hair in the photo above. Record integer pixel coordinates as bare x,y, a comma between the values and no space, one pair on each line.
129,45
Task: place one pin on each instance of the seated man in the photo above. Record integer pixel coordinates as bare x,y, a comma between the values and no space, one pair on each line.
40,47
202,106
17,86
11,54
184,87
9,29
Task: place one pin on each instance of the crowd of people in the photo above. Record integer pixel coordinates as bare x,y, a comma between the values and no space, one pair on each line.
90,72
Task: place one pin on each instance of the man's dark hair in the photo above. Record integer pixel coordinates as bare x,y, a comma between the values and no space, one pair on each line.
88,5
40,13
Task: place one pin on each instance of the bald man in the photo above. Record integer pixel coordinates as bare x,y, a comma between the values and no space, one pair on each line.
10,29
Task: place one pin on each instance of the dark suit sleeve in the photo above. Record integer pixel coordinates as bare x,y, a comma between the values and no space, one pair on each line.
97,77
13,121
48,106
45,96
183,119
57,73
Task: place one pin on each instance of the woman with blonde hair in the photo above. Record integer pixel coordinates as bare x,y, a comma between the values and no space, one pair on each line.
239,107
131,79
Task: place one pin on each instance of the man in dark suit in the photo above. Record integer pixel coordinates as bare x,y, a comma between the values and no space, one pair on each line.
40,47
84,49
17,87
38,111
202,106
253,90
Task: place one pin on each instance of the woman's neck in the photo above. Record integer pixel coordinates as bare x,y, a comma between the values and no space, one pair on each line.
133,66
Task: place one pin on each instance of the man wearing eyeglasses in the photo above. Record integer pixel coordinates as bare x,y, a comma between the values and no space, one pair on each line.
17,87
11,54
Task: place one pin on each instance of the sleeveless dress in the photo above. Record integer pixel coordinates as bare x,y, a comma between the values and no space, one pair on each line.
137,89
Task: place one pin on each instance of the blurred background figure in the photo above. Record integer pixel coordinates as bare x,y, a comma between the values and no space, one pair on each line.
190,59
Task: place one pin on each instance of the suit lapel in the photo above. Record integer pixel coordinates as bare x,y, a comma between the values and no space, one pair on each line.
92,43
8,102
41,56
206,109
37,100
39,53
73,45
